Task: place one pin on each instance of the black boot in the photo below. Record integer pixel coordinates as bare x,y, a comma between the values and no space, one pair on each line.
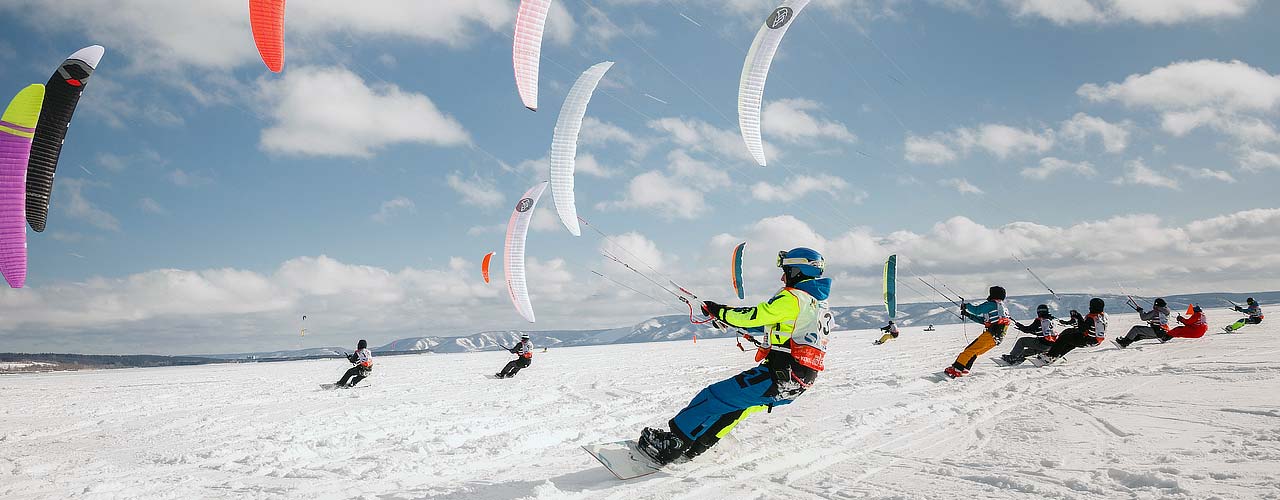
660,446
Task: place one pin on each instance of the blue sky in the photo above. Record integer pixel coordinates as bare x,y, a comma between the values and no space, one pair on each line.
203,204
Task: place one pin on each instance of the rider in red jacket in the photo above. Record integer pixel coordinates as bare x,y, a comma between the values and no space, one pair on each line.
1193,327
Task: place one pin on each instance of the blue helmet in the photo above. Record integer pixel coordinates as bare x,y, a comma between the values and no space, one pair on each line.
805,260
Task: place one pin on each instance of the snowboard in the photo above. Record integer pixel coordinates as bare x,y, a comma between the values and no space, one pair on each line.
336,386
623,459
1000,361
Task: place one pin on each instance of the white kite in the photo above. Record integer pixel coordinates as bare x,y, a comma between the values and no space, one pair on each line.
513,265
564,144
526,49
756,69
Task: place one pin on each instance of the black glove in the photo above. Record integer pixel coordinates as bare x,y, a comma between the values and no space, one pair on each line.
1139,309
712,309
353,358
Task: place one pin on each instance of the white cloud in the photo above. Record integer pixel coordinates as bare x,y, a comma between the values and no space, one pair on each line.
79,207
962,186
800,186
697,135
1207,173
596,133
476,190
1050,166
1164,12
586,163
390,208
1114,136
1255,160
182,178
999,140
328,111
678,193
791,120
1137,173
151,206
1233,98
930,151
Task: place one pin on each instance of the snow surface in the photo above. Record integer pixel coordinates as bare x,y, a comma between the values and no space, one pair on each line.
1187,419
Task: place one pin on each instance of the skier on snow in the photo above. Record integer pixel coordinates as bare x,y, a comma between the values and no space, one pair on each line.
795,322
1193,327
1041,339
363,361
1255,316
1157,326
524,353
994,316
890,332
1090,332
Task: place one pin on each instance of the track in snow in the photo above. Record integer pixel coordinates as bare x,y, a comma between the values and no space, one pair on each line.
1187,419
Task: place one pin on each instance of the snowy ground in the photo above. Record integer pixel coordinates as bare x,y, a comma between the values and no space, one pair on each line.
1187,419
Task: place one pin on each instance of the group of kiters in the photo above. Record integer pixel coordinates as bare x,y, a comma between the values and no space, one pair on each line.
791,330
1046,345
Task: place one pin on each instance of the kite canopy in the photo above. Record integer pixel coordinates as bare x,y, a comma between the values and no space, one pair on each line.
526,49
737,270
62,93
513,254
564,144
267,20
891,286
484,266
17,128
756,69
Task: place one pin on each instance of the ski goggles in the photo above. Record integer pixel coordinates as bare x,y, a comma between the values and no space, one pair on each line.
783,260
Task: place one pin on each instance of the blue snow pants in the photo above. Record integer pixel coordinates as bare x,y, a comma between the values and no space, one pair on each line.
743,391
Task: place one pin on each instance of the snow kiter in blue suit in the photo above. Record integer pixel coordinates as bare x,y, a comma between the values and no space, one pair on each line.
796,322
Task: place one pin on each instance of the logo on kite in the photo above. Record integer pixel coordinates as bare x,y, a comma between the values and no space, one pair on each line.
778,18
524,204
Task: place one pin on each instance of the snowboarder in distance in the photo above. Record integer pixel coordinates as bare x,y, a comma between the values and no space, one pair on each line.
1157,326
363,361
1255,315
1091,331
1041,339
890,332
929,328
994,317
795,324
524,352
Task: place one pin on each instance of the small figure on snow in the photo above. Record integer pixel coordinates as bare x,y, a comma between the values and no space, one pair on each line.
994,317
795,324
1157,326
363,361
1041,339
1091,331
1255,315
890,332
524,352
929,328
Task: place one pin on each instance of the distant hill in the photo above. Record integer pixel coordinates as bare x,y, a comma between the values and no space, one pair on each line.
659,329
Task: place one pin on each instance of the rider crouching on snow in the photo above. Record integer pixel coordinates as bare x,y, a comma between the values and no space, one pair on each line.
1042,339
1157,326
1255,316
890,332
363,361
796,322
524,351
1091,332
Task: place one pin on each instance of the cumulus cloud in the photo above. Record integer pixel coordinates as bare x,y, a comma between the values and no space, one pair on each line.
330,111
793,120
1050,166
1137,173
1232,98
183,178
679,192
151,206
390,208
962,186
1254,160
1114,136
697,135
597,133
475,190
1163,12
801,186
1001,141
